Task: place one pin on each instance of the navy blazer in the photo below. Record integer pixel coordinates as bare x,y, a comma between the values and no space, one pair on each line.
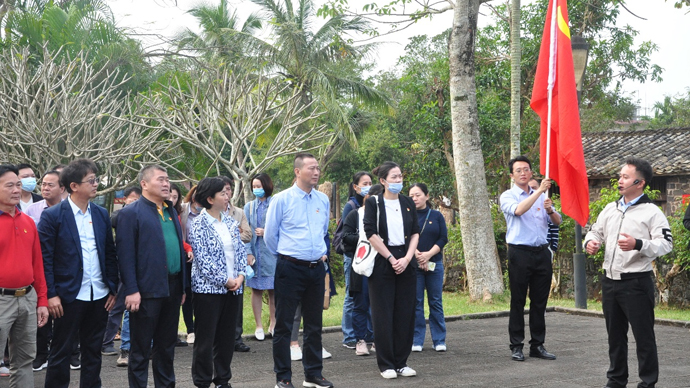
141,250
62,253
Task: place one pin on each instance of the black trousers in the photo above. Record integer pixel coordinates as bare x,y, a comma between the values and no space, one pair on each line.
294,284
43,337
392,298
82,322
216,317
630,301
114,319
240,320
156,320
188,306
528,269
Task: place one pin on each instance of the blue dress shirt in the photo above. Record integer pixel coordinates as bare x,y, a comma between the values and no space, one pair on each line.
624,206
92,277
296,224
530,228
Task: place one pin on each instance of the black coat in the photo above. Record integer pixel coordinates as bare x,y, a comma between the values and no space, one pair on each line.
409,216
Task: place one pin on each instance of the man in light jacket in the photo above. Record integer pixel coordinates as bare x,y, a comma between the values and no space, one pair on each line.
635,232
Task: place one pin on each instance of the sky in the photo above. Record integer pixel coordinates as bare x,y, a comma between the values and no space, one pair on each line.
664,25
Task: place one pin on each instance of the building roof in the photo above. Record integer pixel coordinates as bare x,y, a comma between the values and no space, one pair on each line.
668,150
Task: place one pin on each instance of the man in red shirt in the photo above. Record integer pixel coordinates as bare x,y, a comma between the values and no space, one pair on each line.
23,298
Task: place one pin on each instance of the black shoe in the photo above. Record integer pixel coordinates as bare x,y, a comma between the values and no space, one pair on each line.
317,382
242,347
540,352
39,365
180,343
284,384
350,344
224,386
518,355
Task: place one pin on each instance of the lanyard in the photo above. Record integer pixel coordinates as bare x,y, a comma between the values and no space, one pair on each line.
425,220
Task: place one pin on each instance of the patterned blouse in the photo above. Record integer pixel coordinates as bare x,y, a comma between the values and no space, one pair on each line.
209,268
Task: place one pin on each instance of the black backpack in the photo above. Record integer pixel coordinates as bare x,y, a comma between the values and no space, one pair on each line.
338,235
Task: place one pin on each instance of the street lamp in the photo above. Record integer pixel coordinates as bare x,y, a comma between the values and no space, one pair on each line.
580,49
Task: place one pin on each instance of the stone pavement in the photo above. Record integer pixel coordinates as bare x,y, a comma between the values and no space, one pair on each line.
477,356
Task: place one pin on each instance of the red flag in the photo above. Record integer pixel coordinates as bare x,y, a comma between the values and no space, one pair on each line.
564,160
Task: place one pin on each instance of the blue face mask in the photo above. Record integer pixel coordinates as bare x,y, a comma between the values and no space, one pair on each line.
364,190
28,184
259,193
395,188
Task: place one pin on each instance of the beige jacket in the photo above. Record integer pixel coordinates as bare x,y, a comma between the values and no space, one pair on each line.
643,221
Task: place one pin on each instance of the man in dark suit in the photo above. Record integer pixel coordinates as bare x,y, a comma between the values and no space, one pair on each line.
81,274
152,265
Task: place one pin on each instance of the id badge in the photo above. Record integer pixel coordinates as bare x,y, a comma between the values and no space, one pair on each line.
431,265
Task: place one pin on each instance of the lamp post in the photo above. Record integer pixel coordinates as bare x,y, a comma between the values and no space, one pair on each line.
580,49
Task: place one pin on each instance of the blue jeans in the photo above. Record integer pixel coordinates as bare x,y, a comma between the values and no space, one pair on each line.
432,281
124,332
361,314
348,303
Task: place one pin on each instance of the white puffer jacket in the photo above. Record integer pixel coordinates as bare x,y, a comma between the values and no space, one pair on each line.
643,221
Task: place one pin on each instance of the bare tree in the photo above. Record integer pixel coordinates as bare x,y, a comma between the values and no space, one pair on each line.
242,122
55,111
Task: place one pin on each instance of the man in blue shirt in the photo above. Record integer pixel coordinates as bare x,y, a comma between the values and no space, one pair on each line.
81,274
296,222
527,214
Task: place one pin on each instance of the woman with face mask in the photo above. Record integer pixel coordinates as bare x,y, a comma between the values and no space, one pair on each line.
390,224
258,255
361,183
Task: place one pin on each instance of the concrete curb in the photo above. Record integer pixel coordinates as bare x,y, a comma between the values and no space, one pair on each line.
599,314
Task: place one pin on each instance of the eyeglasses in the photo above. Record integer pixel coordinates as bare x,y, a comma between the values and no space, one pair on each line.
521,170
92,181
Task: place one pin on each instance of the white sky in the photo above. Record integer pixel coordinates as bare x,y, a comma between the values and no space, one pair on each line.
666,26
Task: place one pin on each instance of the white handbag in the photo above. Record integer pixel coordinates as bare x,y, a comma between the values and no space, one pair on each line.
365,254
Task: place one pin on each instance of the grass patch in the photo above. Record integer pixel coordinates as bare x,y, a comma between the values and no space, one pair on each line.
453,304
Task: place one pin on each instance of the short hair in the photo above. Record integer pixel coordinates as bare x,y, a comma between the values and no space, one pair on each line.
227,180
22,166
56,173
299,159
266,183
642,167
132,189
145,172
521,158
5,168
385,168
376,189
59,167
208,188
76,171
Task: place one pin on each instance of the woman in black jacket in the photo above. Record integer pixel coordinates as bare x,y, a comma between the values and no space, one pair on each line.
359,285
392,284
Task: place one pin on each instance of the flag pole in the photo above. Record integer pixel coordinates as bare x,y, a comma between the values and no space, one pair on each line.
553,44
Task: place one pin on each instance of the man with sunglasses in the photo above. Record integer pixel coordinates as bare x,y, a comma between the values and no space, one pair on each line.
527,213
81,274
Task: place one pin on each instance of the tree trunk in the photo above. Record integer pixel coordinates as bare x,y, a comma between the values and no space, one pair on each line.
481,256
515,78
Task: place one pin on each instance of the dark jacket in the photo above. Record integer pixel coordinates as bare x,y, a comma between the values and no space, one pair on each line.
36,197
350,240
409,216
435,232
141,250
62,252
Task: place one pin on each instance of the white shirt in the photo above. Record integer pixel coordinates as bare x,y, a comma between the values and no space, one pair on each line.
92,278
25,205
225,236
394,220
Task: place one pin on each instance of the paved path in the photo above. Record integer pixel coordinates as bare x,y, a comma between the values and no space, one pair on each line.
478,356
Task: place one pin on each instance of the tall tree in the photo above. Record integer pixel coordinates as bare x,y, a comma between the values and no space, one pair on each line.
515,78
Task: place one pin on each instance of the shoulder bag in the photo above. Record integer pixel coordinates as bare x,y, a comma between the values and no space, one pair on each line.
365,254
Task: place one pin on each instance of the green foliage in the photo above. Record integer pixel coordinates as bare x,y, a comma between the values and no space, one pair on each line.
672,112
681,239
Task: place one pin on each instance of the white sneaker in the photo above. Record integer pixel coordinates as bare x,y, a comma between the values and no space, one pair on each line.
440,348
259,334
416,348
325,354
295,353
190,338
361,349
4,371
406,372
389,374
